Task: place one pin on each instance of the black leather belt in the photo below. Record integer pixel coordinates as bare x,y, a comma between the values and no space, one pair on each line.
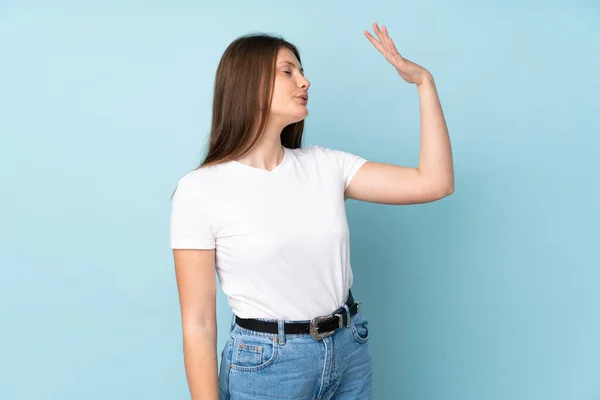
319,327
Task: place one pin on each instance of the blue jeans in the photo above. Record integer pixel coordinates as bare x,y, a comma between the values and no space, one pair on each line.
256,365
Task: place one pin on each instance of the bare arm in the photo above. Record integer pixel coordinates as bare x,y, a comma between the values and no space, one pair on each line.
196,283
434,178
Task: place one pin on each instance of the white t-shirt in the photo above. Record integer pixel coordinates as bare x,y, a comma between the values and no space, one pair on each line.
281,236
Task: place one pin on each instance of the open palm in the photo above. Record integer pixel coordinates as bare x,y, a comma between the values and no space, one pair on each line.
408,70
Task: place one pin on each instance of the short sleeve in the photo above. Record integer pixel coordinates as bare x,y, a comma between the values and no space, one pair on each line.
191,227
348,163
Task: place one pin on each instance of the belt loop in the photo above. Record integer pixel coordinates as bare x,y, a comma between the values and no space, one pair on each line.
281,331
348,317
232,321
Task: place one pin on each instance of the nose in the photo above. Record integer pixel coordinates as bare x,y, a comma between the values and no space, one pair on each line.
305,83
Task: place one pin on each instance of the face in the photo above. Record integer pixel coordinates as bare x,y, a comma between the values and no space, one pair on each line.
290,83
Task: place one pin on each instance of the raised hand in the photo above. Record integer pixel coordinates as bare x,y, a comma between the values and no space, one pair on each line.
408,70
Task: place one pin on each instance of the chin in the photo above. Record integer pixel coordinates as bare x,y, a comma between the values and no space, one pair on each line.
303,115
300,118
297,117
292,118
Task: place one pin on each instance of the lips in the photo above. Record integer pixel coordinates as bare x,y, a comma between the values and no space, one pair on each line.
303,98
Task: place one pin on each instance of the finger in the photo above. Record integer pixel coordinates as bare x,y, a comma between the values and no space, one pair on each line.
386,39
377,31
393,48
374,41
389,44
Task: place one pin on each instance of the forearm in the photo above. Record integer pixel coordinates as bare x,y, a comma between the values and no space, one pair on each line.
435,159
200,355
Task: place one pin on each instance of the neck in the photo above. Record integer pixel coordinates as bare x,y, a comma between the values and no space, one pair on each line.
268,152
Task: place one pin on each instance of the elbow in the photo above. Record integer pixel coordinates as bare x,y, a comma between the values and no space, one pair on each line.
445,191
448,187
440,187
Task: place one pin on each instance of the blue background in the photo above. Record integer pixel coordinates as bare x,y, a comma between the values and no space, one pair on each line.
491,293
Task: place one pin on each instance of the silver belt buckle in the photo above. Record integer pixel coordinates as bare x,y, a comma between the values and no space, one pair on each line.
314,326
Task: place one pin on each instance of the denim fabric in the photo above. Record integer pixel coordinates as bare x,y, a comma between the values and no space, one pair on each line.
256,365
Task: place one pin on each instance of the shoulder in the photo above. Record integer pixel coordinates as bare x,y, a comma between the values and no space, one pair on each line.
313,151
315,155
198,181
328,154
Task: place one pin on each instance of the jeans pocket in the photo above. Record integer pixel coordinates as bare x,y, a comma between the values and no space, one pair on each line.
253,352
360,328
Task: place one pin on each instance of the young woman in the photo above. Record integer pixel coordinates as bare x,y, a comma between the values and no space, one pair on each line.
268,215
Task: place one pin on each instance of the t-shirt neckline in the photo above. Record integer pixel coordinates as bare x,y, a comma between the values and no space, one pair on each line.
262,170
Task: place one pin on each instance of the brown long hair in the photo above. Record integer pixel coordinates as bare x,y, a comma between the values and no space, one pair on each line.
242,97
